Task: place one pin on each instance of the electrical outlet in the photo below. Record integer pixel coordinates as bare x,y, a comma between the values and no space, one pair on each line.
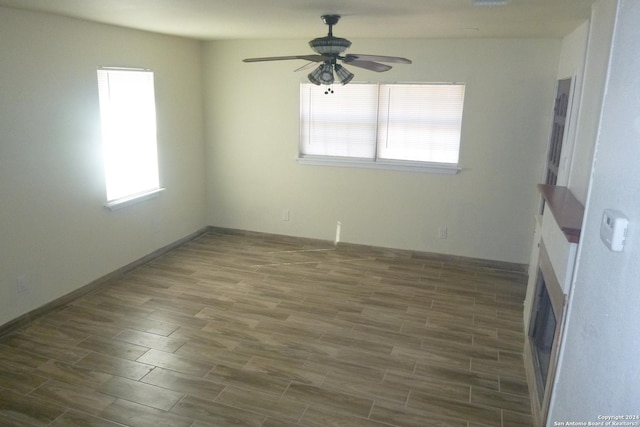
442,233
286,215
21,285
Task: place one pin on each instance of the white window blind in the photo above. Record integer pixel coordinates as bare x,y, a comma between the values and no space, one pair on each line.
128,115
383,122
342,125
420,122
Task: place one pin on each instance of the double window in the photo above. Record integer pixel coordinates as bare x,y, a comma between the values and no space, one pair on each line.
410,126
128,115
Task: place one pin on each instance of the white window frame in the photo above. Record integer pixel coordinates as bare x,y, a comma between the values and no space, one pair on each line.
130,151
372,159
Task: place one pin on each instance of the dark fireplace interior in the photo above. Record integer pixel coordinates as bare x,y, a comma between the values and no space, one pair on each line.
545,327
542,333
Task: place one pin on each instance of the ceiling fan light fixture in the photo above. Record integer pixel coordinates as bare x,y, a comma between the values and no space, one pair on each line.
344,75
314,76
323,75
326,76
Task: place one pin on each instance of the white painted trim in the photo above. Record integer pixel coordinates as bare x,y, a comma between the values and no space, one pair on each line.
407,166
132,200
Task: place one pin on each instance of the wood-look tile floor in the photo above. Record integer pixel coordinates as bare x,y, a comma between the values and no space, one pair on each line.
258,330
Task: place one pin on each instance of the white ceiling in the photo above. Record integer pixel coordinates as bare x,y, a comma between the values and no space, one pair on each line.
248,19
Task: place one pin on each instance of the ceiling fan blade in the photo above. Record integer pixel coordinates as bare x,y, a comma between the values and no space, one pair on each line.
356,56
312,58
329,50
369,65
306,66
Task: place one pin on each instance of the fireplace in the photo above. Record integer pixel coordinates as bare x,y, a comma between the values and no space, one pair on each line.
554,250
545,327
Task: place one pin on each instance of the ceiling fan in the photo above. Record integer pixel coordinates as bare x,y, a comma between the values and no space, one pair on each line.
329,51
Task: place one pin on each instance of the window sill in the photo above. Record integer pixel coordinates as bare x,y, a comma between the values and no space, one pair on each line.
407,166
132,200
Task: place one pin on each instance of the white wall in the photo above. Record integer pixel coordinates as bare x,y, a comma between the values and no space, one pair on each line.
252,135
572,63
573,51
54,231
599,42
599,373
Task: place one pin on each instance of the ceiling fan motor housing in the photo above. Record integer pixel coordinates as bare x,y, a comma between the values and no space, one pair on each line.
329,45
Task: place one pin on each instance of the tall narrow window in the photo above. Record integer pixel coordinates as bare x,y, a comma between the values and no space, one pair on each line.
128,114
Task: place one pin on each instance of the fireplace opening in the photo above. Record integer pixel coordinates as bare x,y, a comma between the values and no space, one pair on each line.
542,333
545,327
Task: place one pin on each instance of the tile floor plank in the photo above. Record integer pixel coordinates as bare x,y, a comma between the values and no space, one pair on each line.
21,380
27,410
73,396
183,383
263,403
116,366
142,393
174,362
74,418
145,339
216,414
329,399
72,374
137,415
